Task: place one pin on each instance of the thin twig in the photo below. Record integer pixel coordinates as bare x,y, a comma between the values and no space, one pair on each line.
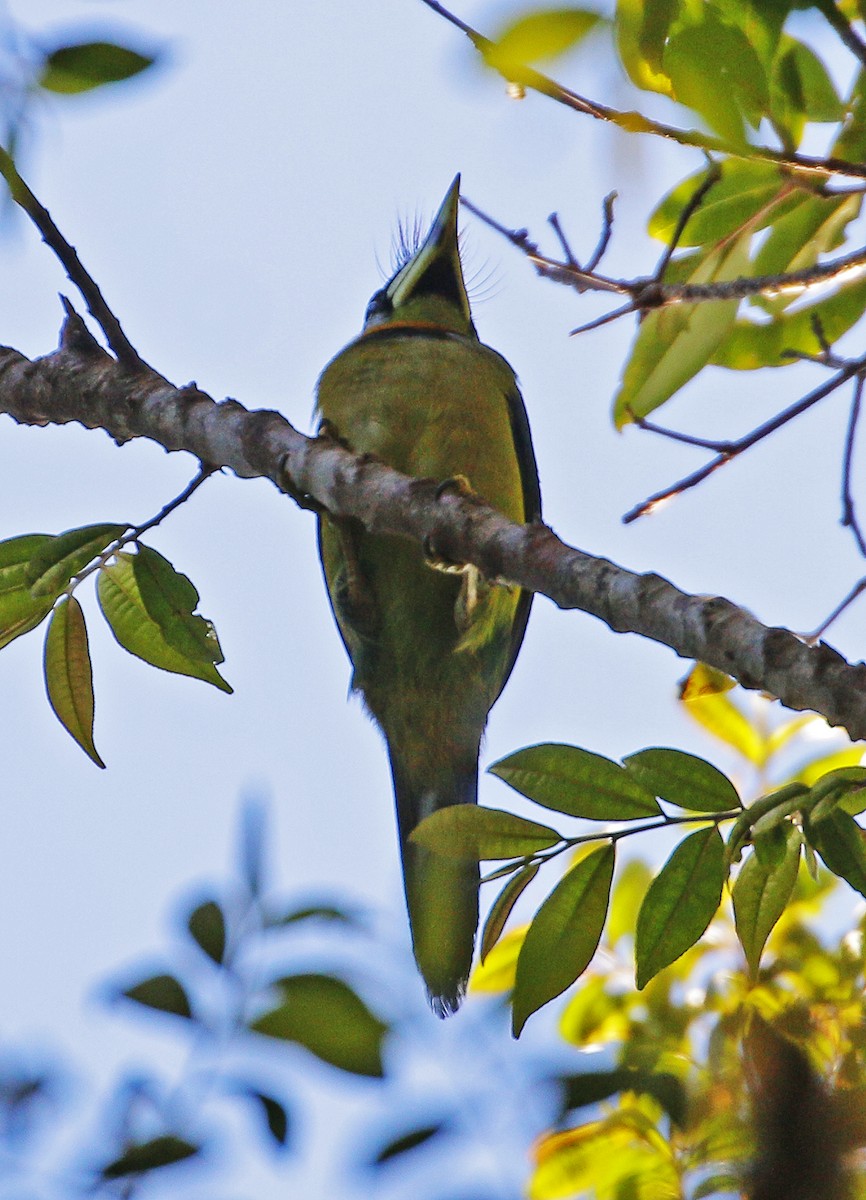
606,231
694,202
204,473
849,512
635,122
717,447
553,221
745,443
813,637
72,265
843,28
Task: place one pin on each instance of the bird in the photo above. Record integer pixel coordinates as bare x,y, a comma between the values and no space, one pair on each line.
432,644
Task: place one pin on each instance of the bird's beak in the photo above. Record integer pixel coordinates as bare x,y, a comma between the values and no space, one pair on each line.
435,268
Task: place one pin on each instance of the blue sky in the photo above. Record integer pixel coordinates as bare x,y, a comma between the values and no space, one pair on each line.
232,205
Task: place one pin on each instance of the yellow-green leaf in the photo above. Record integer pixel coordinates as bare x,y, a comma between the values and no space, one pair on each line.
62,557
68,674
564,935
539,37
752,193
20,611
680,903
126,612
713,709
673,343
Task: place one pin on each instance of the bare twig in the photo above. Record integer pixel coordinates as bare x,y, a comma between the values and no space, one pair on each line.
712,177
813,637
849,512
843,28
72,265
634,122
606,231
737,447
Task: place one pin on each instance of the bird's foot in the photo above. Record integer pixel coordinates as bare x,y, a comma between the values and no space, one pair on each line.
460,486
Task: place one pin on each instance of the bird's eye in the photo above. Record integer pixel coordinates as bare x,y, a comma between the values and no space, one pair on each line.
379,306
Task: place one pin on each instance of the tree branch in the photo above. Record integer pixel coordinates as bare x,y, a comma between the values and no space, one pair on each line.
81,382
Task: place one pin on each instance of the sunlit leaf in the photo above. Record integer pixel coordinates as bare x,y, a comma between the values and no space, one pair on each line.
631,886
847,756
61,558
20,611
69,676
595,1013
564,935
750,344
712,708
606,1159
684,780
503,905
676,341
715,71
680,903
496,973
577,782
87,65
641,32
161,1151
801,90
539,37
746,192
851,142
125,611
162,992
469,831
330,1020
760,895
207,927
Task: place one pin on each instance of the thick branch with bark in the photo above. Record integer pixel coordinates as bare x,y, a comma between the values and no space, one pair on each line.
82,383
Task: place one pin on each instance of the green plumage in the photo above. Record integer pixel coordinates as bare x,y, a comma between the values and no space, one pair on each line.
431,650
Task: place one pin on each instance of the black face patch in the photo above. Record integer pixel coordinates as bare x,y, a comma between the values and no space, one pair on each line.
440,279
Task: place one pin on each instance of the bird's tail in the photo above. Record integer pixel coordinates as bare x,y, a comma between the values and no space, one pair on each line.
441,893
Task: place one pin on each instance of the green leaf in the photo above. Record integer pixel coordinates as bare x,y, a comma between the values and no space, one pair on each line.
52,567
631,887
744,190
162,992
591,1087
641,33
207,927
815,225
325,1016
680,903
406,1142
801,91
468,831
503,905
676,341
564,935
68,674
161,1151
851,142
715,71
538,37
570,780
750,345
19,610
87,65
124,609
840,842
684,780
760,895
171,600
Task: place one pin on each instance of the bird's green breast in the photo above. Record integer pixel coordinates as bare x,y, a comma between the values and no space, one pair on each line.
429,406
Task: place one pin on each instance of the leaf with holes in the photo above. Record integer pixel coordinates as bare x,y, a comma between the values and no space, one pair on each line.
127,614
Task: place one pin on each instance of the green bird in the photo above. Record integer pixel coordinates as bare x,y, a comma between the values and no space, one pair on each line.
431,648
